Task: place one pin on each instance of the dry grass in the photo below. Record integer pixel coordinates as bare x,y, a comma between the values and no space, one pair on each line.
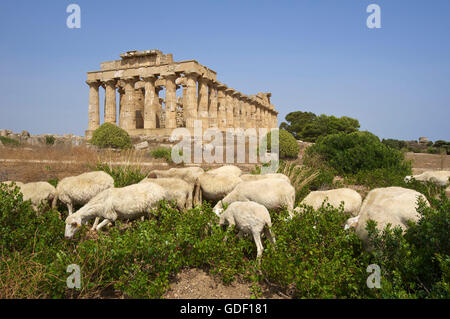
18,269
299,175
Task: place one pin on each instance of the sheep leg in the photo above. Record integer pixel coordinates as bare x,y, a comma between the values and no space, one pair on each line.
70,208
240,234
97,219
259,246
269,234
102,224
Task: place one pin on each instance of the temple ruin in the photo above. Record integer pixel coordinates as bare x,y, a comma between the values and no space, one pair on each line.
140,76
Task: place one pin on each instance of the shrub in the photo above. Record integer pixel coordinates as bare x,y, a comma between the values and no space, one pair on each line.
109,135
396,144
9,141
122,175
308,126
356,152
288,145
162,152
50,139
415,264
315,257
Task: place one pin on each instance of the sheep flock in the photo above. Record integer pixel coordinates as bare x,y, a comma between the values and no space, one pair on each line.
241,200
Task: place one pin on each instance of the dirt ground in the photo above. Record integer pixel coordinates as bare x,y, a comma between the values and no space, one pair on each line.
197,284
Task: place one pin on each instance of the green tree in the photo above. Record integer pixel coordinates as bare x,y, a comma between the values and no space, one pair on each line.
308,126
109,135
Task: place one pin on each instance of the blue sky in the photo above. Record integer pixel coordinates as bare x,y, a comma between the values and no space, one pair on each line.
315,55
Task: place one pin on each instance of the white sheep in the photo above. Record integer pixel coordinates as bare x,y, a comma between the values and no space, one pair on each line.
78,190
249,218
178,190
272,193
351,198
37,193
437,177
226,170
117,203
214,187
257,177
188,174
389,205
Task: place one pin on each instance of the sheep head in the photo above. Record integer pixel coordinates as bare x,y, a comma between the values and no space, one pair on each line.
351,222
73,224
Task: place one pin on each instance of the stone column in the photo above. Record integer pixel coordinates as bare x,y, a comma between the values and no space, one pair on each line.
139,106
253,114
150,104
213,111
158,107
221,100
236,110
191,99
203,102
229,107
258,116
129,113
248,113
120,89
243,116
110,115
182,81
94,111
171,100
264,117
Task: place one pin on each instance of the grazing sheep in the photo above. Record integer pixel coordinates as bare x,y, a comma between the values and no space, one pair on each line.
214,187
116,203
178,190
227,170
437,177
389,205
78,190
253,177
272,193
351,198
38,192
188,174
249,218
35,192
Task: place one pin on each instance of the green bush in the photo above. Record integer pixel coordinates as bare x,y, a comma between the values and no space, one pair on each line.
356,152
415,264
122,175
396,144
109,135
162,152
9,141
288,146
309,127
50,139
315,257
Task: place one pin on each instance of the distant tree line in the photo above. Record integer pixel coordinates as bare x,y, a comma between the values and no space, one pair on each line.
307,126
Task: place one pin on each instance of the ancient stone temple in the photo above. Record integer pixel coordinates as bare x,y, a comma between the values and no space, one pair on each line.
149,103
